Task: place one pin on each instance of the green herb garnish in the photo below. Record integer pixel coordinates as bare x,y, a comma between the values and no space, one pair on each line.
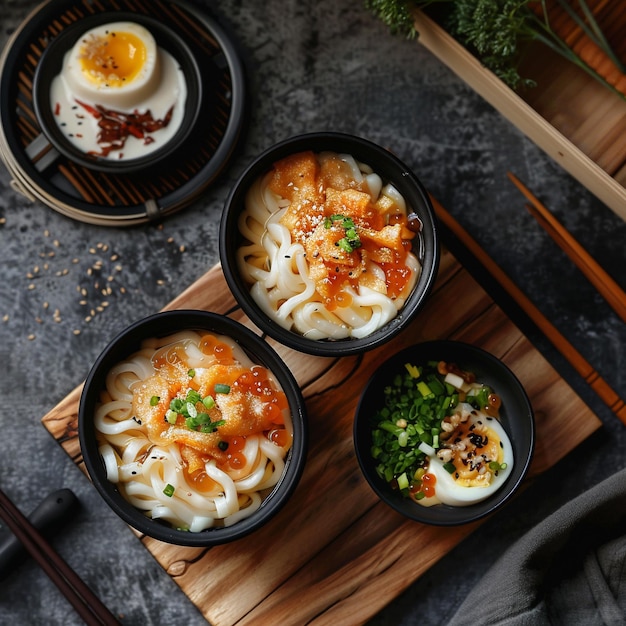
351,241
193,408
414,405
169,490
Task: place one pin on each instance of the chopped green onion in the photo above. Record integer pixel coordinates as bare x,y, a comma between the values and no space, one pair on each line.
208,402
193,396
171,416
449,467
495,466
219,388
154,400
403,481
424,389
191,373
403,439
413,370
169,490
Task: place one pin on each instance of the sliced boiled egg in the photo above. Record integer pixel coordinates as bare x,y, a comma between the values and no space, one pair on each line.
118,94
114,64
473,463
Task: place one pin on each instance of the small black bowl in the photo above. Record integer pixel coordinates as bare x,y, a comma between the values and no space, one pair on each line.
391,170
516,415
50,66
162,325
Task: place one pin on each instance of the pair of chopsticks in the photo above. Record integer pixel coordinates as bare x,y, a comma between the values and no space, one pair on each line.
598,277
84,601
560,342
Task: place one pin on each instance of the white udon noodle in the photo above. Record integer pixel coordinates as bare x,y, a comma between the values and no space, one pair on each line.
276,268
142,470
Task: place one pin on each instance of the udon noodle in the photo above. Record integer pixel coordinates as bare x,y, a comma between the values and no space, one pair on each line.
329,246
192,431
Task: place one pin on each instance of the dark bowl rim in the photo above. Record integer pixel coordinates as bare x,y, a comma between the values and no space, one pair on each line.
444,515
429,241
257,348
53,55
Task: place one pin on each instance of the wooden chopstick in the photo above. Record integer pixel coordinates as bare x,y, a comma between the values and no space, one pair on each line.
82,598
598,277
574,358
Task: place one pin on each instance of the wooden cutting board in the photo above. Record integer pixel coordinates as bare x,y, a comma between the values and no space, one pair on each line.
335,554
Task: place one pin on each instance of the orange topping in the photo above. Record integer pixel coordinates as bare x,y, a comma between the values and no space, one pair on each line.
320,189
428,484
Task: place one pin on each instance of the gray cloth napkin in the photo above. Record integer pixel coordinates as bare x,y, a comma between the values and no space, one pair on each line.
570,569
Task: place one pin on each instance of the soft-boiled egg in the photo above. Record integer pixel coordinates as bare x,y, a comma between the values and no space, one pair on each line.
473,463
118,94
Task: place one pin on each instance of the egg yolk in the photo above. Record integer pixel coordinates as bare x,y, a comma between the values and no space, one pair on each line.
114,59
480,449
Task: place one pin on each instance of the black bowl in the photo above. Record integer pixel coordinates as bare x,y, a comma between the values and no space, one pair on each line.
50,66
391,170
516,415
161,325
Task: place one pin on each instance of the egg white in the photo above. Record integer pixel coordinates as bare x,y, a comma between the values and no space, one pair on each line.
158,87
449,491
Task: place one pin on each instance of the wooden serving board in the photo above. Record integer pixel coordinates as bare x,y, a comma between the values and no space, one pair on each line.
335,554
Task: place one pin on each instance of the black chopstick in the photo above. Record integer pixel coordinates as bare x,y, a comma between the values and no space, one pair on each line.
81,597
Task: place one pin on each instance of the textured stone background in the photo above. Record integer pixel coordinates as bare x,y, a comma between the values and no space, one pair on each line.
312,65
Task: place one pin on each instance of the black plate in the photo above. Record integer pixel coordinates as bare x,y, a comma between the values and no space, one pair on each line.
150,193
516,416
50,66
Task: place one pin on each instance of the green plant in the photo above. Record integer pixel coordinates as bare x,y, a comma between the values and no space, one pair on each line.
494,30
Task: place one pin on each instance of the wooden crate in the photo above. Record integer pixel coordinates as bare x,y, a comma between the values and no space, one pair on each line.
572,117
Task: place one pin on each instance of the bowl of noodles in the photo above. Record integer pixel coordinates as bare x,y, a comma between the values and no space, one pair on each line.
192,428
329,244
